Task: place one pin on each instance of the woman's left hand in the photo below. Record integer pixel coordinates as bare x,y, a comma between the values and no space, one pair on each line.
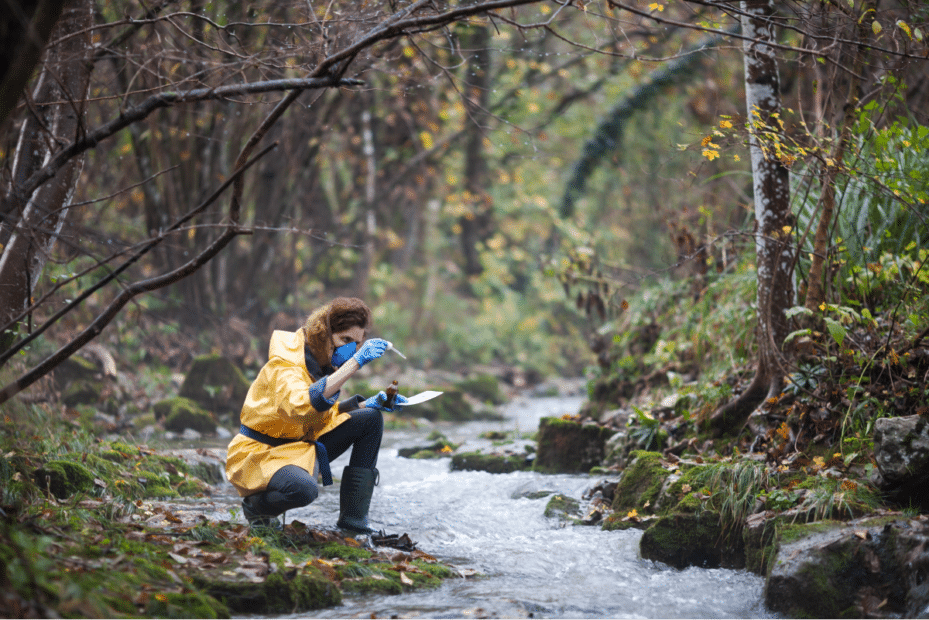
379,402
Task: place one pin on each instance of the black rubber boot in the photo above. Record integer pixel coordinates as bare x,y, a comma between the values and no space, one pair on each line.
355,492
253,514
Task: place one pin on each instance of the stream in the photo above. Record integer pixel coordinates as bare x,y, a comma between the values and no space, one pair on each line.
529,565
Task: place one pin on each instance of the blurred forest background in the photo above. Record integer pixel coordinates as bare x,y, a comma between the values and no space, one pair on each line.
498,185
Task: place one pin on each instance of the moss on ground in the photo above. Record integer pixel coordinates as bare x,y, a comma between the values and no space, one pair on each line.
641,483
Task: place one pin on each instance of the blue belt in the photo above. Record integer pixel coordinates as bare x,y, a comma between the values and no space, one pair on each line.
274,442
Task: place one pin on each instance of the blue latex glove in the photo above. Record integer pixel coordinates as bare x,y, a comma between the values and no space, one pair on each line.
371,350
378,402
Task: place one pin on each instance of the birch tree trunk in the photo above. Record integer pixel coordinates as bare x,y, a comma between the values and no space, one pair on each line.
771,187
56,117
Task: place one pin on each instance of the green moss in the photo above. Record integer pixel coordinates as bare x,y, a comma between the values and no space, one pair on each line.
484,388
561,506
64,478
179,413
379,584
641,483
682,540
346,552
185,605
493,463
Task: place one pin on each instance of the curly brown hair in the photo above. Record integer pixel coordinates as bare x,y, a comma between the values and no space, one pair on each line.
339,314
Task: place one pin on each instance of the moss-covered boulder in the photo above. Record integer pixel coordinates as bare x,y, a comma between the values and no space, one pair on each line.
451,406
281,592
64,478
440,447
641,483
493,463
215,383
82,392
179,413
567,446
692,539
562,507
483,387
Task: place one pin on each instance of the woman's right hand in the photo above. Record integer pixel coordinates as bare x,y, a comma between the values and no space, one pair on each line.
371,350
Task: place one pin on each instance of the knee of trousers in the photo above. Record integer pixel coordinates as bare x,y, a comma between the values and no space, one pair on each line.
302,494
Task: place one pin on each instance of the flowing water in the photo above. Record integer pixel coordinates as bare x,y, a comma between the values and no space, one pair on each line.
529,565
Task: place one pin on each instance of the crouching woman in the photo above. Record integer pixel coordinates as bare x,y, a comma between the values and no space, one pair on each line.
292,423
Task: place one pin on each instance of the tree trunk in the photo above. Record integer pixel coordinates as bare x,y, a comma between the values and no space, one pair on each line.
772,215
58,102
476,223
816,291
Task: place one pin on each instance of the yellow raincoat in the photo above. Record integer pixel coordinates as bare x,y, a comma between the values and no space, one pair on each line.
284,401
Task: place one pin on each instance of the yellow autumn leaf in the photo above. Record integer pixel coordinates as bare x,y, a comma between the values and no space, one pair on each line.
710,154
426,138
725,124
902,25
632,514
876,27
656,6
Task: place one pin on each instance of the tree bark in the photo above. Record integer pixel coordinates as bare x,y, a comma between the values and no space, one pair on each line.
476,223
59,100
770,182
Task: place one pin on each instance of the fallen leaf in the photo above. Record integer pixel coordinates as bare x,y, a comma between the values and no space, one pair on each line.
405,579
177,558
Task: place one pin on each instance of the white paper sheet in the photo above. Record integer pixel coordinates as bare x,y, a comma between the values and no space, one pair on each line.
421,398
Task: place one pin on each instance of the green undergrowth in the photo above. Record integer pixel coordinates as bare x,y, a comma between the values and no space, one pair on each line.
85,531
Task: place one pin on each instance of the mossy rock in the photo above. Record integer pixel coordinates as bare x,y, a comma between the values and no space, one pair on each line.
64,478
179,413
451,406
74,368
493,463
483,387
566,446
82,392
184,605
282,592
562,507
216,383
641,483
681,540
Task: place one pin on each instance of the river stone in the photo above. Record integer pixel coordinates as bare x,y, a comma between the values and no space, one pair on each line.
691,539
180,413
837,570
901,450
64,478
566,446
216,383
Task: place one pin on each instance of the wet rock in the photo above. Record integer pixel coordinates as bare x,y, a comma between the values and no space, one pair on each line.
64,478
567,446
215,383
440,447
281,592
692,539
483,387
180,413
901,450
493,462
562,507
641,483
82,392
875,568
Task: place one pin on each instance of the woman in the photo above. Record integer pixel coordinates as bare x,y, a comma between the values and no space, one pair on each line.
292,424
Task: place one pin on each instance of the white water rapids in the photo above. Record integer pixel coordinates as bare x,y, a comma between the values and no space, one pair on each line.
529,565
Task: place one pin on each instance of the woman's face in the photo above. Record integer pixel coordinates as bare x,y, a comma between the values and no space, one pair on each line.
352,334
